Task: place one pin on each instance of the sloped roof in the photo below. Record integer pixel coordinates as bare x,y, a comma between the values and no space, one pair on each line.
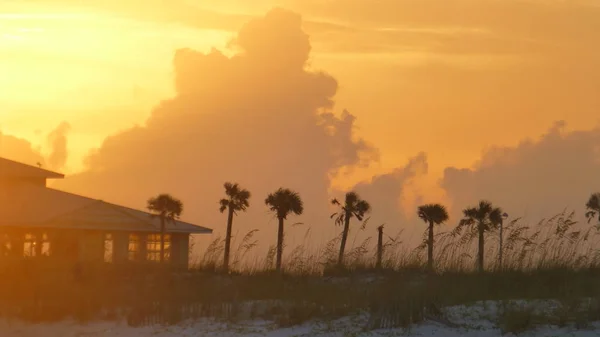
36,206
13,169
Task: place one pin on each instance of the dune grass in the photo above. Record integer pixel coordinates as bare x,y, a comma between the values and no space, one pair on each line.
553,259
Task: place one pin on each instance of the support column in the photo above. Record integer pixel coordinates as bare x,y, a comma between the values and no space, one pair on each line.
120,247
143,248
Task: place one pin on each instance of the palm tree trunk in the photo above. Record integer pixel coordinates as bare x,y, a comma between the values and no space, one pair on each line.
228,239
481,247
162,238
279,245
430,247
344,239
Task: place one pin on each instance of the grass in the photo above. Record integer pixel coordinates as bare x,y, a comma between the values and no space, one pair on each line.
554,259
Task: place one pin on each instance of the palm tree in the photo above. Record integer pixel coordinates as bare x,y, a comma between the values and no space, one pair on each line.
353,207
283,202
593,207
482,218
432,214
168,209
237,200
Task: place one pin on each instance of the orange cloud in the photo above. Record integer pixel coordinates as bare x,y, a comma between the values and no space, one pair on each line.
537,178
258,118
57,139
24,151
18,149
385,193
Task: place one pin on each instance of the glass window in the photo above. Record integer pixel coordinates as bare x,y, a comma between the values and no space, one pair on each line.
29,245
45,250
108,248
153,247
134,247
5,245
35,245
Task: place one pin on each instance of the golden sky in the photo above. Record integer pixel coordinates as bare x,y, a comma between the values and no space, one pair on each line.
434,86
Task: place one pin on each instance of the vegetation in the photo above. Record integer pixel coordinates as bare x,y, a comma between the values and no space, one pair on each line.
353,206
555,259
283,202
593,207
168,209
432,214
479,220
237,200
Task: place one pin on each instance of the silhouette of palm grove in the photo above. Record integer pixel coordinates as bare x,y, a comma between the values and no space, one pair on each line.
554,242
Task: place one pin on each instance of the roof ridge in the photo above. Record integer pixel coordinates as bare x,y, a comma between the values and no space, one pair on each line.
10,161
119,207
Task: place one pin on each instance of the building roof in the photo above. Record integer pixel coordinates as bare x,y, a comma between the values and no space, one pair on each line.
13,169
29,205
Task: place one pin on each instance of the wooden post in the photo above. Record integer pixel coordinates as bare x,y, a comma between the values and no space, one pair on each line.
379,247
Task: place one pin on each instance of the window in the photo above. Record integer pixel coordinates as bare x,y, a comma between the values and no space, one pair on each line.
45,250
35,245
134,247
108,248
29,245
5,245
153,247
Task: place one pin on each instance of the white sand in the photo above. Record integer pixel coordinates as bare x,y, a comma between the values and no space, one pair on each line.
478,320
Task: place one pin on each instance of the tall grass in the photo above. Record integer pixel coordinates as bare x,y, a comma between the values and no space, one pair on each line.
554,258
556,242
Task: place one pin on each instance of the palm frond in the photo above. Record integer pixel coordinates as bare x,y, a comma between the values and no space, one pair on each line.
435,213
283,202
224,204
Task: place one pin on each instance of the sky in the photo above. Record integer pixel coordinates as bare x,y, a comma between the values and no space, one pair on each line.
405,101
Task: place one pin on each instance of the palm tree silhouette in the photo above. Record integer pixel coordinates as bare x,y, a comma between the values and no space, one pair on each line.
168,209
593,207
283,202
482,218
237,200
353,207
432,214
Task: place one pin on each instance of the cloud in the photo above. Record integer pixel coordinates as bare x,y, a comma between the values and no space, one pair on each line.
537,178
57,140
476,27
258,118
19,149
387,193
472,27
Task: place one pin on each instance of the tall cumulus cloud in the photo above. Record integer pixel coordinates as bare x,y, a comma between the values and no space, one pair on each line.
259,118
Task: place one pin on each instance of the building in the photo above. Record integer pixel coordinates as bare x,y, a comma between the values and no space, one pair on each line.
40,222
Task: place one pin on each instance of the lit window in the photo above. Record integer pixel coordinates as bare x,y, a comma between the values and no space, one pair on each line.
134,247
5,245
108,248
32,246
29,245
45,245
153,247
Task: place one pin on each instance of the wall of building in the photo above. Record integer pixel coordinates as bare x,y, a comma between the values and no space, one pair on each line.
88,246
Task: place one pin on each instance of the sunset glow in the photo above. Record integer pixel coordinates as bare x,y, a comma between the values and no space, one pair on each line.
87,68
431,93
299,167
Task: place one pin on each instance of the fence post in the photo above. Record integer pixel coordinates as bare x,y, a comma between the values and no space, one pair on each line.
379,247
